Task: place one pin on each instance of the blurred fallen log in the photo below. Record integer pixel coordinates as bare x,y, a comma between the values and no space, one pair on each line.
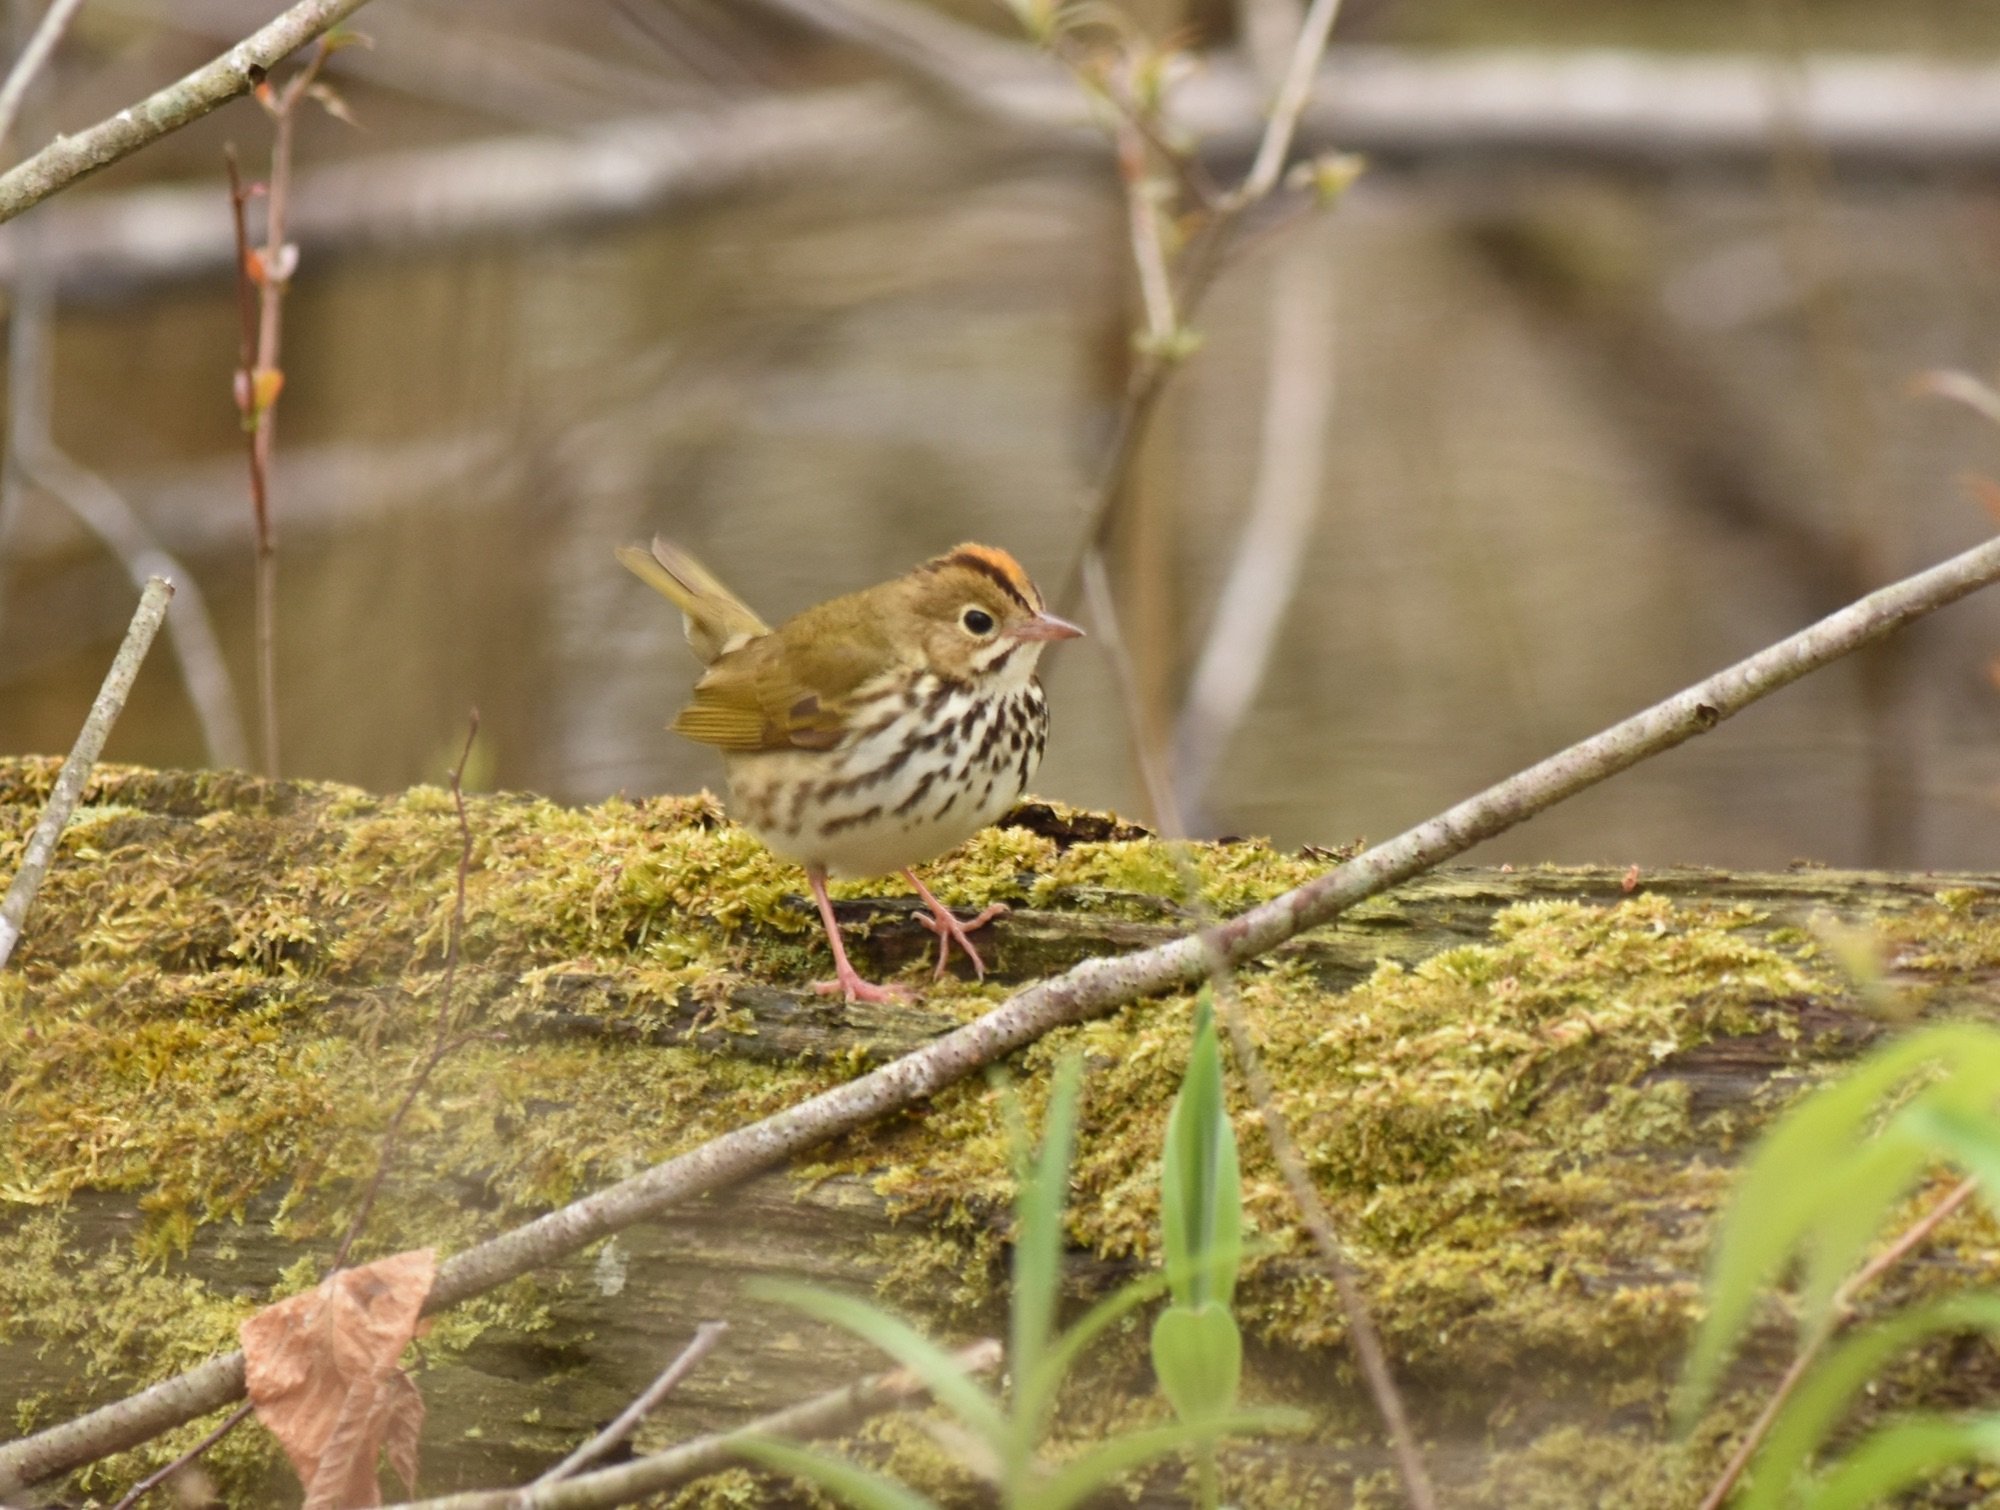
1617,111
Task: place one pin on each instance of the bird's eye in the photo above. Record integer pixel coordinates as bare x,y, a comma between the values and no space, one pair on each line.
977,620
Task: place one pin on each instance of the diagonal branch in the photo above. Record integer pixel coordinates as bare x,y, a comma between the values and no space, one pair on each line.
55,20
41,846
706,1337
1092,989
1293,93
829,1415
216,82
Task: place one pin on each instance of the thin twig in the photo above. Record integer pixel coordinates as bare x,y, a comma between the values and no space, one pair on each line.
706,1336
259,377
35,460
55,20
442,1041
1089,990
250,404
1149,251
1198,265
1361,1333
1154,776
1290,104
1887,1259
159,1476
833,1414
83,755
108,515
1284,502
441,1045
216,82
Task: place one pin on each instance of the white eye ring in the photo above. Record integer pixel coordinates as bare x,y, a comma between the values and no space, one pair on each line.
977,621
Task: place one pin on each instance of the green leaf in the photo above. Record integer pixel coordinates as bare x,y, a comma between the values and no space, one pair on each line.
1902,1455
1873,1180
837,1476
1035,1396
1822,1397
1201,1199
1198,1355
1042,1193
941,1373
1799,1176
1084,1476
1967,1135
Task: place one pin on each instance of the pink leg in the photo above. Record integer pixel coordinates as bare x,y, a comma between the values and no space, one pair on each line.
949,930
845,981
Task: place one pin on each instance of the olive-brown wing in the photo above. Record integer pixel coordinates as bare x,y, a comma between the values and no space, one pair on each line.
792,689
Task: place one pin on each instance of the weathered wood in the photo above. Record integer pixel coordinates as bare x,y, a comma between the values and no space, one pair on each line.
1532,1242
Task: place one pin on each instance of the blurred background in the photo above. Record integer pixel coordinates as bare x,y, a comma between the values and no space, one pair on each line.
1609,371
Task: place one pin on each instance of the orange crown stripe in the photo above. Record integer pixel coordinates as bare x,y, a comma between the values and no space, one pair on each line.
997,564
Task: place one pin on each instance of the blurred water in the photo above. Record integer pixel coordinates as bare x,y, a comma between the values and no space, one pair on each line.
1587,442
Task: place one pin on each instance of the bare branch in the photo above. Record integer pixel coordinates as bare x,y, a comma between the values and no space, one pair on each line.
1293,93
34,459
830,1415
1361,1333
55,20
216,82
442,1039
1092,989
83,755
159,1476
1620,112
1284,502
706,1336
107,514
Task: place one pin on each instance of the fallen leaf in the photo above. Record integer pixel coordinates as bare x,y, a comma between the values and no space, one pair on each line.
323,1374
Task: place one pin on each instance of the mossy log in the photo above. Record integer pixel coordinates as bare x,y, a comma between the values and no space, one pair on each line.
1519,1092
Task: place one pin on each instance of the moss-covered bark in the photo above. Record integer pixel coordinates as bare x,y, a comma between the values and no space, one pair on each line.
1519,1092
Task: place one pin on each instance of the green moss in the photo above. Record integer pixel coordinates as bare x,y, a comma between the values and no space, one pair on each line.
1492,1091
1960,934
225,986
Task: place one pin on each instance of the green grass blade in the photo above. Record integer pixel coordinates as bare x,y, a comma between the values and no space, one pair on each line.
1796,1175
856,1485
1083,1477
1873,1181
1061,1355
1968,1135
1822,1398
1201,1210
1901,1456
1043,1193
941,1373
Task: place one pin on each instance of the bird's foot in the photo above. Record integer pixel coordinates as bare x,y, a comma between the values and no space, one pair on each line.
950,930
850,985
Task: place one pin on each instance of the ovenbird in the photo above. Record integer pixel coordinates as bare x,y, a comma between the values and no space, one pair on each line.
875,731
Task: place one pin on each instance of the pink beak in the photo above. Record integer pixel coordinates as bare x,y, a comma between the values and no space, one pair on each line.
1046,626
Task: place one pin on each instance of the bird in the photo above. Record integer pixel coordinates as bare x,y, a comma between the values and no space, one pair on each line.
875,731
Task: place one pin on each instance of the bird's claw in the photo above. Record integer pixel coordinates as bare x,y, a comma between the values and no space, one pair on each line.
949,930
854,988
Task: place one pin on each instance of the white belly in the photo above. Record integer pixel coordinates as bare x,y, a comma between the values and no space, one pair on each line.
915,782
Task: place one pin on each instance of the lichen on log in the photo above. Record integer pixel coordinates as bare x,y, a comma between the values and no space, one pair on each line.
1519,1092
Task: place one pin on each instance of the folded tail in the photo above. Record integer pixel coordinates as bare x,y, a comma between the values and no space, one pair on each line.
717,620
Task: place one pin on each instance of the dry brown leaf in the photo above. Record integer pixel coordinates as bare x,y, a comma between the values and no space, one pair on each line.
323,1374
